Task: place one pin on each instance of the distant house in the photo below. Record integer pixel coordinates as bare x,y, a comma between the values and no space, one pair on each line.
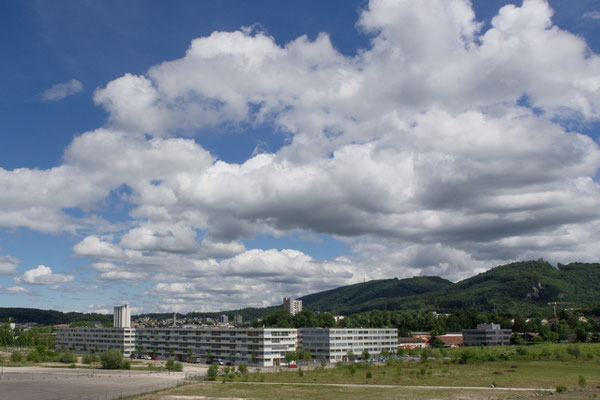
412,342
452,339
487,335
529,336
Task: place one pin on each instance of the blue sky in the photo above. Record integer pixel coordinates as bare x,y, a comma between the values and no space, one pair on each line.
214,155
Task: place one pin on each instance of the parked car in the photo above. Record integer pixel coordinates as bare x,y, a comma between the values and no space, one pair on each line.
292,366
133,356
154,357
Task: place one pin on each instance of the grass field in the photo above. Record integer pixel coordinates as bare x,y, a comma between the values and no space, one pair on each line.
536,367
301,392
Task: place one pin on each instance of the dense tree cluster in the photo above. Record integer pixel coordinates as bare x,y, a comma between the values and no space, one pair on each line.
37,335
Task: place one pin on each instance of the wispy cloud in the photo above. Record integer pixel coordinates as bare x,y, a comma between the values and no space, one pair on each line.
592,15
61,90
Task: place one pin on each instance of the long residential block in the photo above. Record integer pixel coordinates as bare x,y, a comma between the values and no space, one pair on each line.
335,344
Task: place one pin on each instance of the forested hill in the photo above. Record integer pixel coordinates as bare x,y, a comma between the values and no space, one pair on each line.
49,317
522,287
355,297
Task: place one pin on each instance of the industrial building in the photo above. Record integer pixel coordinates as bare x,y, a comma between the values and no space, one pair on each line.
487,335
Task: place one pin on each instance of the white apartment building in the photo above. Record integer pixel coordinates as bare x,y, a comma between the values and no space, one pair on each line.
334,344
96,340
122,317
292,306
254,346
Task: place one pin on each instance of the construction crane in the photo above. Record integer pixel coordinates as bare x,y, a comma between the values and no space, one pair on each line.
554,303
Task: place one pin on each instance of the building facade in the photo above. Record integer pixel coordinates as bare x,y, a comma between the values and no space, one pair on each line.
487,335
265,347
334,344
292,306
122,317
256,346
96,340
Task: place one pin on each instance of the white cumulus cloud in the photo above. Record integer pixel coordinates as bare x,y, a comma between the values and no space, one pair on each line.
43,275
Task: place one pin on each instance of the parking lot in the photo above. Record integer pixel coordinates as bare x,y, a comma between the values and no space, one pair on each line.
65,383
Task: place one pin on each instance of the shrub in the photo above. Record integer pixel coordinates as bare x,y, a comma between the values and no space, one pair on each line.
16,356
300,372
574,350
111,359
369,375
467,356
582,381
34,356
213,371
126,364
243,368
352,369
67,357
172,365
561,388
90,358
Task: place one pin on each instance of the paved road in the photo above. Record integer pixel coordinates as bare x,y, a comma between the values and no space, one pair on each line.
56,384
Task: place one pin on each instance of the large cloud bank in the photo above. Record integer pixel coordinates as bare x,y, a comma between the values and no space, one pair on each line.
441,149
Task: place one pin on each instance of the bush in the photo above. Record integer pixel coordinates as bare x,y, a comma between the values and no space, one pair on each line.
111,359
561,388
300,372
174,366
34,356
369,375
67,357
16,356
90,358
582,381
467,356
243,368
126,364
213,371
574,350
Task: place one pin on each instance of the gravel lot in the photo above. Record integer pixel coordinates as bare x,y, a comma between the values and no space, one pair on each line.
64,383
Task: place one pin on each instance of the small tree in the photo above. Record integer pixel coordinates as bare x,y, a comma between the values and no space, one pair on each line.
350,355
291,356
243,368
111,359
213,371
365,354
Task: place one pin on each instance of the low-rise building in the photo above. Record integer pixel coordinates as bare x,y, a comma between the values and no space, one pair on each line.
412,342
451,339
334,344
487,335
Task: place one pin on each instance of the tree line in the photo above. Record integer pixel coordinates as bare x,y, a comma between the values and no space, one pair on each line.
567,323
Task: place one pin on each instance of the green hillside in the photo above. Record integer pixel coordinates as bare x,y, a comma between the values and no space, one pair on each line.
49,317
355,297
521,287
